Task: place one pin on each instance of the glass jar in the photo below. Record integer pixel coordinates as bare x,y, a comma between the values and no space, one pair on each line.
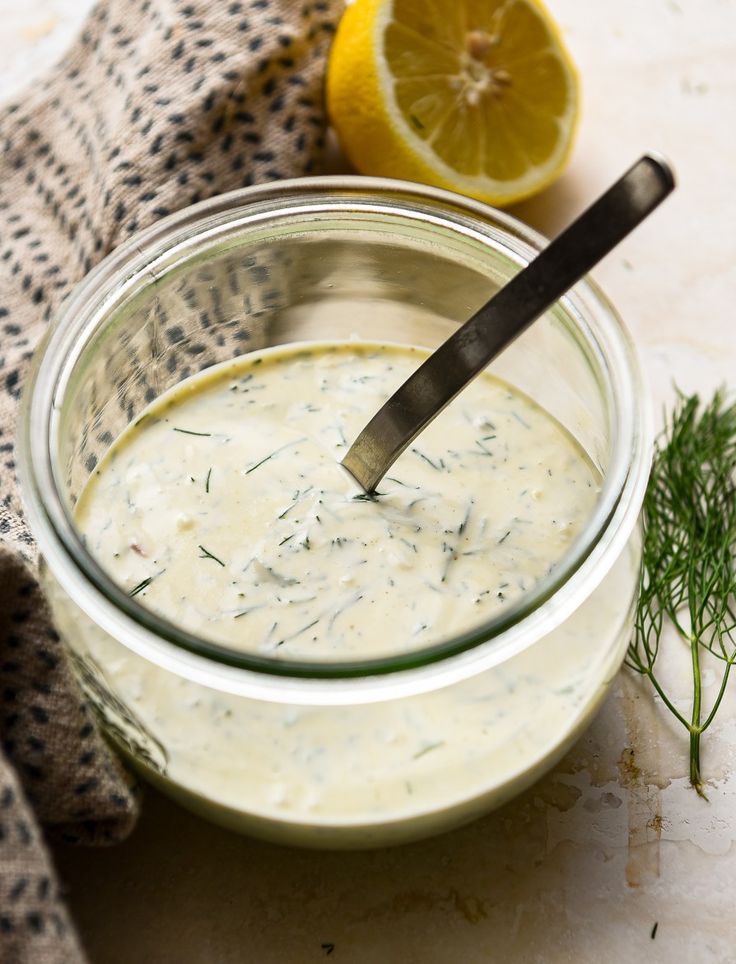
345,754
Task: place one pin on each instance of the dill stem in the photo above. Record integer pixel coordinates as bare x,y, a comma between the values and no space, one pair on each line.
695,778
695,727
649,673
719,698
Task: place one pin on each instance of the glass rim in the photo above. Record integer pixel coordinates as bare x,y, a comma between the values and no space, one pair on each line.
582,567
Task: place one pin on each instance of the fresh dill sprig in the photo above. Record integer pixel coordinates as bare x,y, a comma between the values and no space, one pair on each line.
688,576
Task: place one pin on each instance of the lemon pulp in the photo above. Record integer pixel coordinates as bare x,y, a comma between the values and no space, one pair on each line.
473,95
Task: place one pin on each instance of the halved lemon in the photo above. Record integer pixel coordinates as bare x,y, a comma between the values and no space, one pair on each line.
478,96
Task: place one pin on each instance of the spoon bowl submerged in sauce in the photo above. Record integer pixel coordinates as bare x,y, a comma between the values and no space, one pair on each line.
174,538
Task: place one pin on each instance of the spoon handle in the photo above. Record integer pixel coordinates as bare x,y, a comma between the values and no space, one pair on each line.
508,313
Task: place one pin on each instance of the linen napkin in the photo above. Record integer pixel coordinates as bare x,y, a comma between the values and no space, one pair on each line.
158,104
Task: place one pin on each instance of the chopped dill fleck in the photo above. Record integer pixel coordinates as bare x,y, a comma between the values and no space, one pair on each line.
288,509
206,554
298,632
391,478
287,538
207,481
367,496
271,455
451,557
464,524
340,610
428,749
187,431
144,584
279,578
436,466
504,537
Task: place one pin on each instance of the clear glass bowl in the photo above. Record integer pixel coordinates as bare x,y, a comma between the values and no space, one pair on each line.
344,754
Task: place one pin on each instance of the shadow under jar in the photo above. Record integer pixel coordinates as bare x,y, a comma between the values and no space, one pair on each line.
334,753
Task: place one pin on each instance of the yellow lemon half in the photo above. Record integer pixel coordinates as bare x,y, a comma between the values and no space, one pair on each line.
478,96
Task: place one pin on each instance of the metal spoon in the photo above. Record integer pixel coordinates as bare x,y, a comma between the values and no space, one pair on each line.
509,312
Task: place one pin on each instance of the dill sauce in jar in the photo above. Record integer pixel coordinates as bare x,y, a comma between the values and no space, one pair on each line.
279,651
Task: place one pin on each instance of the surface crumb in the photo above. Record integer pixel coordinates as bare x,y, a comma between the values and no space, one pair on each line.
39,30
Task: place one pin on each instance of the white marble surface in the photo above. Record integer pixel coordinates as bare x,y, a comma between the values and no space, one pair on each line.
583,865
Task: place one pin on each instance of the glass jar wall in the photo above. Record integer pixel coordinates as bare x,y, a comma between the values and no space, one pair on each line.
355,753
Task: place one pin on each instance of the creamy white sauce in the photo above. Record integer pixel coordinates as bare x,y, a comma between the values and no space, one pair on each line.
225,510
257,482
